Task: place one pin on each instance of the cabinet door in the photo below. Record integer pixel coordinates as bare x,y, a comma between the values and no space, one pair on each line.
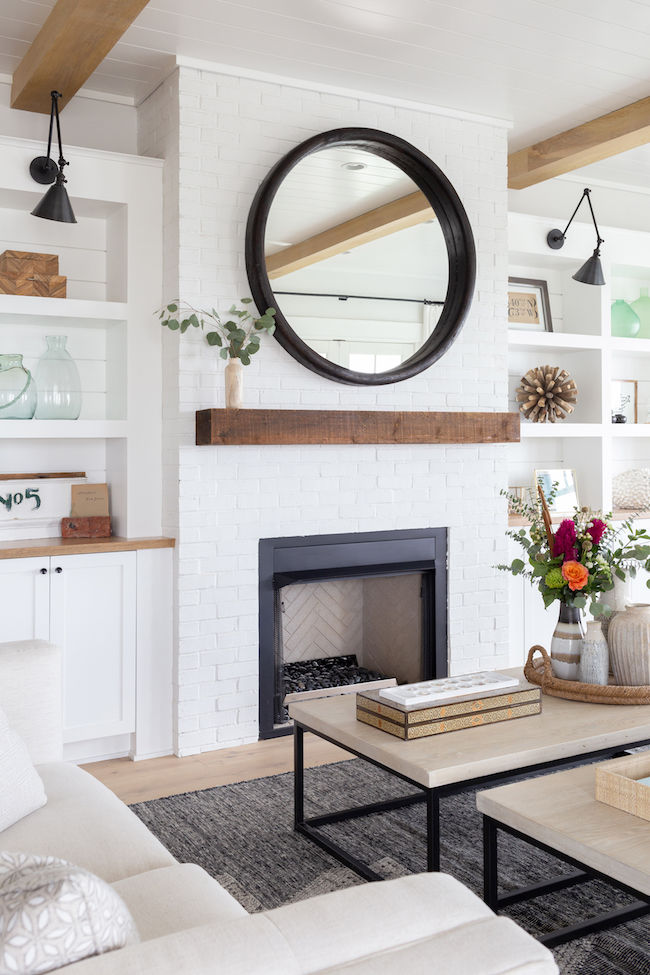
92,616
24,599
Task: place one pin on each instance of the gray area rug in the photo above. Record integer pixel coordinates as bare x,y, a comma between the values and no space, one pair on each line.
242,835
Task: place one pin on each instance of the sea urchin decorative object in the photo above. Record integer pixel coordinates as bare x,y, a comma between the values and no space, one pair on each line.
547,393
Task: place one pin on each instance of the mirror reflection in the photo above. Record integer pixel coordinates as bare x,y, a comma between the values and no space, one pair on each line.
356,259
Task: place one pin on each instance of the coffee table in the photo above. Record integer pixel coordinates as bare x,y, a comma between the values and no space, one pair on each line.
560,814
566,732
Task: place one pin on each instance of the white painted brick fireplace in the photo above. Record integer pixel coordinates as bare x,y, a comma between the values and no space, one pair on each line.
220,134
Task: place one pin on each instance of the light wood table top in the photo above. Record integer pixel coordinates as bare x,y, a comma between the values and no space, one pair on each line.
562,730
561,810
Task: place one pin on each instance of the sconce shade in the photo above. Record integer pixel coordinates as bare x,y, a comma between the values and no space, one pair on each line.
591,271
55,205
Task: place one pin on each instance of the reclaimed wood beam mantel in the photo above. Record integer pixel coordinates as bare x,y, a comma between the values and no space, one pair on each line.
259,427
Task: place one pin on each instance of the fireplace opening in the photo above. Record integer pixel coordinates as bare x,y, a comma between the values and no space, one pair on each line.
340,611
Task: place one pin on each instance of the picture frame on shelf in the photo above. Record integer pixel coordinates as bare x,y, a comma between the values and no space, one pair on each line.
528,305
625,400
566,494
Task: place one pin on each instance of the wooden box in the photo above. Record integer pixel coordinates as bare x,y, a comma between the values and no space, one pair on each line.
41,285
617,785
95,526
24,263
516,702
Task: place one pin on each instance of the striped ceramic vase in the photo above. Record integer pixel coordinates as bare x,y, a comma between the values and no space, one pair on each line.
566,643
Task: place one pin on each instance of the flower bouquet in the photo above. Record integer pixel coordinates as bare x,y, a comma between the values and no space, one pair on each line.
576,564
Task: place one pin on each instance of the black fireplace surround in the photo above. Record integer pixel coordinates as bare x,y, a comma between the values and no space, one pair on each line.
360,555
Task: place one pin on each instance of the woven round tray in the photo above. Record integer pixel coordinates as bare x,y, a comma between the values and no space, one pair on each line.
540,672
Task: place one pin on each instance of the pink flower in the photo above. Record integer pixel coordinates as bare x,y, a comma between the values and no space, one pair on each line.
565,541
597,530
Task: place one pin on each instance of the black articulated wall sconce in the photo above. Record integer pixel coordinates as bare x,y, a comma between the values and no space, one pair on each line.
591,271
55,205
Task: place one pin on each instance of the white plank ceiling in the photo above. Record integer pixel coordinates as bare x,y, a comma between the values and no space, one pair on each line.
545,65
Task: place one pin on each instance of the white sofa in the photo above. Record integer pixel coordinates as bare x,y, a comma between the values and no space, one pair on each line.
189,925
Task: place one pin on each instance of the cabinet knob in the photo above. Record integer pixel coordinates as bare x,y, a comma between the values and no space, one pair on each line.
58,569
43,572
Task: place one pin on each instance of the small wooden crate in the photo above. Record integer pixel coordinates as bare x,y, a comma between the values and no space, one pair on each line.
24,263
617,785
94,526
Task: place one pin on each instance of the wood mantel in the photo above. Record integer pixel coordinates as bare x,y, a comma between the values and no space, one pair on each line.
259,427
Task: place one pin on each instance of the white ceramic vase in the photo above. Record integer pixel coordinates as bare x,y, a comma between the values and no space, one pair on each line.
566,643
629,645
234,384
594,656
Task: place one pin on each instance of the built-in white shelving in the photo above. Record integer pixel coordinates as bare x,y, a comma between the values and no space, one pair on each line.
581,342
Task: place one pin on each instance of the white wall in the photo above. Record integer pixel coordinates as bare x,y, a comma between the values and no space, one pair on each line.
220,135
88,122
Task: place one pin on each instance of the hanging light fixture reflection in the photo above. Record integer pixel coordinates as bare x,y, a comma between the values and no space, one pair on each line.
55,205
591,271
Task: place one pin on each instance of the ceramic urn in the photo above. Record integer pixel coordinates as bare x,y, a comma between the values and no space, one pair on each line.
629,645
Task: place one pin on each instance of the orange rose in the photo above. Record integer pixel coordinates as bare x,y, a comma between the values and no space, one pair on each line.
575,574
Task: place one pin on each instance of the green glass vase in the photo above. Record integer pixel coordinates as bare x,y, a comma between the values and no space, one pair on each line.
57,382
625,321
17,389
642,308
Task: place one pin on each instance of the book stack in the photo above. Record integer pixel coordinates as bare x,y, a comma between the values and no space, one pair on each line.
409,712
24,273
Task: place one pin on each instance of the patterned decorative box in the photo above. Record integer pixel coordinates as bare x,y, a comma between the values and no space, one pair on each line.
470,712
24,273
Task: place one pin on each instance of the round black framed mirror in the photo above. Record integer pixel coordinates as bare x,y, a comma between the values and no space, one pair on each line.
363,247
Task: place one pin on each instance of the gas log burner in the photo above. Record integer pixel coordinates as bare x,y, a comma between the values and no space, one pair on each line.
339,611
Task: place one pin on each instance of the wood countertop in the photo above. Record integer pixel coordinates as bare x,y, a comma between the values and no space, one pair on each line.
26,548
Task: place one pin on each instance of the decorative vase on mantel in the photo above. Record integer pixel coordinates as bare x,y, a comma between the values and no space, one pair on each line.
234,373
629,645
566,643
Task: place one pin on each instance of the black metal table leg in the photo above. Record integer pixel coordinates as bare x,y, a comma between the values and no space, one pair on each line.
490,864
299,775
433,831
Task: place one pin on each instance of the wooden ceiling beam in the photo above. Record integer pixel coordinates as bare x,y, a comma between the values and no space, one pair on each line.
71,44
408,211
626,128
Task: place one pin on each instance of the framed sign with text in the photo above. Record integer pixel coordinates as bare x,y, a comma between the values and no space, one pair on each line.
528,305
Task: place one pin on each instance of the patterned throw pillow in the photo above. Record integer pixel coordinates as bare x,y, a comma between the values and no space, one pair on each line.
53,914
21,789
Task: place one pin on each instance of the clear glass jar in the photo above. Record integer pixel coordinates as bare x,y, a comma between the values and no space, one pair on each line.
57,382
17,389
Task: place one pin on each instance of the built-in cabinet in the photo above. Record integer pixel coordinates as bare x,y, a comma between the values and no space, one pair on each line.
581,342
86,604
109,610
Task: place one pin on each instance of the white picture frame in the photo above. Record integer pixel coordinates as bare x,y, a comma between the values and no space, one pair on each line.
566,497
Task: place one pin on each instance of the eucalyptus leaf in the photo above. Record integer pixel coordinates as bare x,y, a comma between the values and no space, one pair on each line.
172,308
213,338
224,353
596,608
580,601
184,326
245,301
173,325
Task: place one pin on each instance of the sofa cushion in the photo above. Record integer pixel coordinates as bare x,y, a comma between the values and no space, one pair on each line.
428,924
30,693
53,914
84,823
21,789
175,898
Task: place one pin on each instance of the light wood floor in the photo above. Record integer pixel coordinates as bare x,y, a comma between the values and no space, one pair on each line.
170,776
